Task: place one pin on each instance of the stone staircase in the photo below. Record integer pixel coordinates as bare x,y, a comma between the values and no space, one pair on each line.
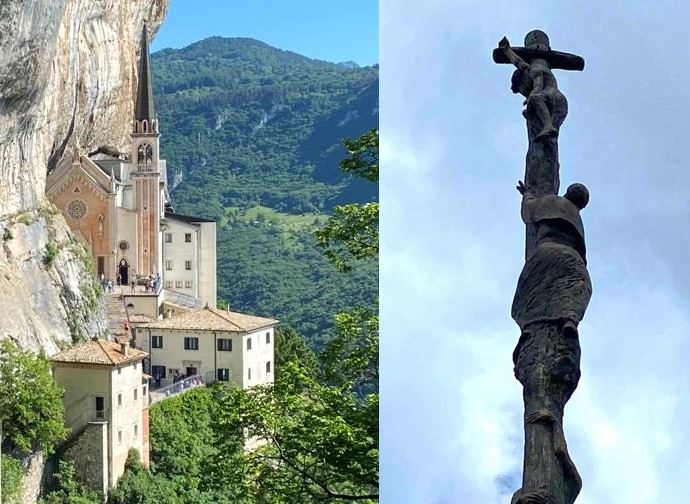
116,313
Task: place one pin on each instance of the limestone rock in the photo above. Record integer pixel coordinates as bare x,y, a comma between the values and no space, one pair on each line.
67,81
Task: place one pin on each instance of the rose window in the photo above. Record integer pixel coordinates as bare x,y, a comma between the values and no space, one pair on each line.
76,209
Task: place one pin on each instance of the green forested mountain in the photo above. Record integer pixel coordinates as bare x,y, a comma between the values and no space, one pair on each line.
252,136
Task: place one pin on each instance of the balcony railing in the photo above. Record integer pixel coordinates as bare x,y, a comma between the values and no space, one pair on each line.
145,167
180,387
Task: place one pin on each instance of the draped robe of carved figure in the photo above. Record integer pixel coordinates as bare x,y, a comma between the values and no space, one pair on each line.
554,283
552,295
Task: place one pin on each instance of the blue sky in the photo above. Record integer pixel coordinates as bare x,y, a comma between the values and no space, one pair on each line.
332,31
453,146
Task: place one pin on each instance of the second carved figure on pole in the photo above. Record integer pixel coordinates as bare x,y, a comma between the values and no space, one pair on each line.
552,295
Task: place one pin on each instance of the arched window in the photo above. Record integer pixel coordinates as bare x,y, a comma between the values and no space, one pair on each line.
145,126
140,154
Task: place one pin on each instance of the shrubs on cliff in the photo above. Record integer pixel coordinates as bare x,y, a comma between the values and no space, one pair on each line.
50,254
30,402
11,479
68,490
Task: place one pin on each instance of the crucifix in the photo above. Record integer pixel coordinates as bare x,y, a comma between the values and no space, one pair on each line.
554,287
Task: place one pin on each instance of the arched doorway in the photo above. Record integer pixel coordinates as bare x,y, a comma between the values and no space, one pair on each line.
123,270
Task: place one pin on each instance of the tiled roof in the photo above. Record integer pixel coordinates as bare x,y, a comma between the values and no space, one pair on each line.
98,351
211,319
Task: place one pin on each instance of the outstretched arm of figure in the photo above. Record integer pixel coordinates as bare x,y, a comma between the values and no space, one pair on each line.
516,60
523,189
528,200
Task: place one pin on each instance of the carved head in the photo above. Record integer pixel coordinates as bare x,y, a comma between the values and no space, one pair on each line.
537,39
578,195
521,83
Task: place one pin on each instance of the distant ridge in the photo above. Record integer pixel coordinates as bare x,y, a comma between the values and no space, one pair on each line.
251,123
245,124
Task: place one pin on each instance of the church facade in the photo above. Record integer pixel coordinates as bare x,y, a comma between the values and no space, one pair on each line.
118,203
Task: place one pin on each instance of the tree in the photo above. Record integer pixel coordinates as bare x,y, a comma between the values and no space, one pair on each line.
291,346
317,426
320,442
353,231
68,490
138,485
183,451
352,357
30,401
181,436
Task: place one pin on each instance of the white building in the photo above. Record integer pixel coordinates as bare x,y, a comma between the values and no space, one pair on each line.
106,408
118,204
226,346
190,256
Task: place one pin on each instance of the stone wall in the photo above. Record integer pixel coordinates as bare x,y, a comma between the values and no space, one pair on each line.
89,452
33,480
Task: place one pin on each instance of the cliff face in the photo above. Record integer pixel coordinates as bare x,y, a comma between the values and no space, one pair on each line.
67,80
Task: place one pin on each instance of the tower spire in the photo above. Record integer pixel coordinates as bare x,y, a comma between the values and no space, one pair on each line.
144,105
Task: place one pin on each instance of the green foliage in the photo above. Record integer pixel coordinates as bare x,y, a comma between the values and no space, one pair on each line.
30,401
133,461
7,234
351,234
26,219
353,231
245,123
363,156
290,346
140,486
12,475
321,440
68,490
352,358
278,272
183,452
50,254
181,436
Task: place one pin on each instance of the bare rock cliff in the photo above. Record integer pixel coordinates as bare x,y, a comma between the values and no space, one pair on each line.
67,81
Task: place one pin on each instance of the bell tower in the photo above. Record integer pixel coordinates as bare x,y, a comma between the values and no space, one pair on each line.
146,173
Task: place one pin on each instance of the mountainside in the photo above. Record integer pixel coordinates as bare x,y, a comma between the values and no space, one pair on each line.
245,123
252,137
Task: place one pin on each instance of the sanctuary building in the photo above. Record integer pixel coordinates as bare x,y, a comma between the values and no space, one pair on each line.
118,203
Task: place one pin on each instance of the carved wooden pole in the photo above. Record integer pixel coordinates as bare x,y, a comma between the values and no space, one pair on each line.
554,287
